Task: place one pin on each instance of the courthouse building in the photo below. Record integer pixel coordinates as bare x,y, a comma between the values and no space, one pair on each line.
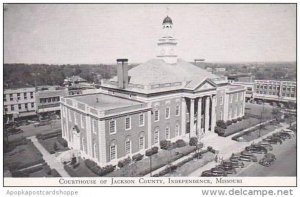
163,98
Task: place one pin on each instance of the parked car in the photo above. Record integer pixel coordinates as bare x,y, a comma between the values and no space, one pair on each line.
285,135
267,160
292,133
256,149
268,146
207,173
234,157
218,172
237,164
272,140
248,158
227,166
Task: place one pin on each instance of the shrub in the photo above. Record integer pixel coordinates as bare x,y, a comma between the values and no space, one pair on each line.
124,162
89,163
222,124
234,120
155,149
107,169
137,157
229,122
197,155
193,141
220,131
96,169
149,152
165,144
210,149
240,118
180,143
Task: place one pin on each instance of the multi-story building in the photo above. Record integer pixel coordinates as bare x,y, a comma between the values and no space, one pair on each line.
77,85
19,102
162,99
48,98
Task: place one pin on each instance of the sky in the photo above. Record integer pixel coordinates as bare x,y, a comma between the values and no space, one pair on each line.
101,33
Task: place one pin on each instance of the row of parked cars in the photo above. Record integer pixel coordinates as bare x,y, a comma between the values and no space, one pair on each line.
248,155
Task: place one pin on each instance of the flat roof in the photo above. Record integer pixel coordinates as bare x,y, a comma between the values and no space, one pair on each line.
104,102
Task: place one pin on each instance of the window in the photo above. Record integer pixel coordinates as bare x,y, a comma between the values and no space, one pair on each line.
127,123
19,96
156,136
156,115
128,147
31,95
12,107
82,119
167,133
26,106
177,129
113,152
25,95
283,94
292,95
141,143
4,97
5,108
20,106
82,144
167,112
177,111
141,120
112,126
32,105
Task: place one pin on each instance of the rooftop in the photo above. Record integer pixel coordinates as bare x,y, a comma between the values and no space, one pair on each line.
104,102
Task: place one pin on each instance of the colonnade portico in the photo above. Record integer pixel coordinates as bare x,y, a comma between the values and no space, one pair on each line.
202,114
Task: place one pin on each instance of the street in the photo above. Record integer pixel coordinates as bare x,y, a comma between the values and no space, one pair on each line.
284,165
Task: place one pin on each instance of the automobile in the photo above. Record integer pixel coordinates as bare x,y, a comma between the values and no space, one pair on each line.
292,133
247,153
281,137
285,135
256,149
207,173
13,131
272,140
234,157
270,155
267,160
227,166
218,172
268,146
248,158
237,164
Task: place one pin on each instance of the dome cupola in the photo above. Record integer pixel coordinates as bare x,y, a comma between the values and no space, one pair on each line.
167,20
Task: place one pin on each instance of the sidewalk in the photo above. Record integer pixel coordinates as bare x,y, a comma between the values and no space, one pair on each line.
51,160
226,147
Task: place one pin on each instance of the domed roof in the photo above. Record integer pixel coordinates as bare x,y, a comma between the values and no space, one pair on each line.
167,20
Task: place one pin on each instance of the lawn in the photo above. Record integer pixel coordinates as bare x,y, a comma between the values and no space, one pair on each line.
80,171
192,165
258,133
48,144
142,167
22,156
241,125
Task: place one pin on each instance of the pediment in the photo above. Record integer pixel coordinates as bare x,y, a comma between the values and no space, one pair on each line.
205,85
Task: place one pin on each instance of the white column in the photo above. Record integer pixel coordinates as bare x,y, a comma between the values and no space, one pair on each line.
199,115
213,114
183,116
206,127
192,118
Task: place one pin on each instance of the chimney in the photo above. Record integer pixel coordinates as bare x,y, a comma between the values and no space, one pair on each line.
122,73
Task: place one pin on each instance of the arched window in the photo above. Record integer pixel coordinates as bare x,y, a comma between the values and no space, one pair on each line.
177,129
141,141
113,152
128,146
167,132
156,135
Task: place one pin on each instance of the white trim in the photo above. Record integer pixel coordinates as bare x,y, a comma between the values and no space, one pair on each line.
177,107
169,113
158,115
143,115
141,136
129,123
169,133
130,147
156,130
115,126
116,152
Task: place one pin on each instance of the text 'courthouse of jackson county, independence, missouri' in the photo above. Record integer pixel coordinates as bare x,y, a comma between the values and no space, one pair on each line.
163,98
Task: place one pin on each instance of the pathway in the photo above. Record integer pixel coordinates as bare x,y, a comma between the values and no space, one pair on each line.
51,160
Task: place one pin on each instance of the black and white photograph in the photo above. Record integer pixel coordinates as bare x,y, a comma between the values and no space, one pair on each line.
149,94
